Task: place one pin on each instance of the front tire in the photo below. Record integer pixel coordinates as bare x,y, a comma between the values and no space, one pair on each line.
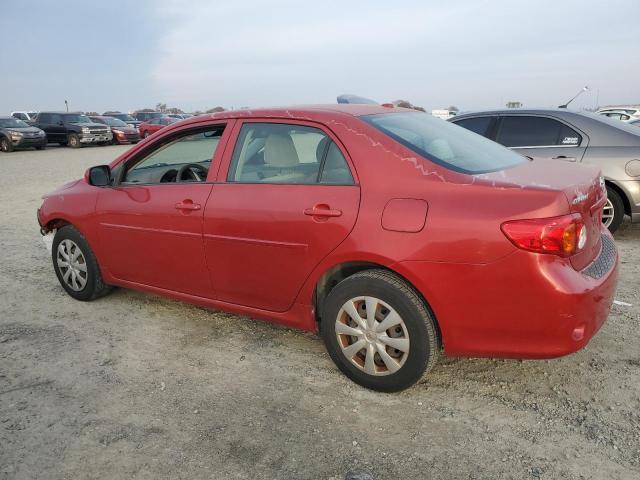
613,211
73,140
379,331
6,145
76,266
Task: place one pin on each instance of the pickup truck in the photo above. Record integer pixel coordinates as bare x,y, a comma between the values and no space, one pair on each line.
72,129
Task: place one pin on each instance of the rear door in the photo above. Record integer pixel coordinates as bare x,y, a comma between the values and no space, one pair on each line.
538,136
285,198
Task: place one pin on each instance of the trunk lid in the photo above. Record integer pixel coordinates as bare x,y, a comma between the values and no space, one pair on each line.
581,185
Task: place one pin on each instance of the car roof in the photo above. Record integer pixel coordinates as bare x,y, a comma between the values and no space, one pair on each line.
300,112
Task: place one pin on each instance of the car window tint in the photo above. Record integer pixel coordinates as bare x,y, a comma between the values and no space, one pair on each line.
530,131
281,153
479,125
444,143
55,119
192,148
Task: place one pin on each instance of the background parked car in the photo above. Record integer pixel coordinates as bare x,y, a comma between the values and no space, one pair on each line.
25,116
179,116
617,115
122,133
146,116
155,124
73,129
125,117
632,110
562,134
14,133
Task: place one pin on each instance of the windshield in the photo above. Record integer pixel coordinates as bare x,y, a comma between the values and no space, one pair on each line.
12,123
124,117
614,122
113,122
77,119
444,143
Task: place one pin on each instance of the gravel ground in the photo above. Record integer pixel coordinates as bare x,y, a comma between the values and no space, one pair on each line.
137,386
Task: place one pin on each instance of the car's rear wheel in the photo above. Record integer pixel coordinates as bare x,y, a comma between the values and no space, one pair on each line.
41,147
378,331
6,145
613,211
73,140
76,266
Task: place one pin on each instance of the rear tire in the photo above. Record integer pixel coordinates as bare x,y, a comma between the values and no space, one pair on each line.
41,147
400,354
76,266
613,213
73,141
6,145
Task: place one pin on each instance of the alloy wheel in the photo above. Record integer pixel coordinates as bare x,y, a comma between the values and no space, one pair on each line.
608,213
4,146
72,265
372,335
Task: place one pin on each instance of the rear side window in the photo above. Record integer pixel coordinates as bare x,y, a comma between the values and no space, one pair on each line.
282,153
523,131
442,142
479,125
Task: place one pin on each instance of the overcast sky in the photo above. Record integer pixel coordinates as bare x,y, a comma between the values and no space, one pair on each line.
199,54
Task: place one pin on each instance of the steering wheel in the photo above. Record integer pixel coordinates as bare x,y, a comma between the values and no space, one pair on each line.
198,173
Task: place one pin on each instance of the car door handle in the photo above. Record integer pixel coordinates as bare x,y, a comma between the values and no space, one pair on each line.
322,210
188,205
565,158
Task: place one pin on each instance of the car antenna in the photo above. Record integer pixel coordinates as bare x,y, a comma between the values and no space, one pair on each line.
582,90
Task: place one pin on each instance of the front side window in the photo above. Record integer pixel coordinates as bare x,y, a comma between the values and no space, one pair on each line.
529,131
55,119
444,143
186,158
281,153
479,125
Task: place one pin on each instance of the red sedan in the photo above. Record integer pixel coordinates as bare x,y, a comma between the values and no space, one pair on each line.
152,126
393,233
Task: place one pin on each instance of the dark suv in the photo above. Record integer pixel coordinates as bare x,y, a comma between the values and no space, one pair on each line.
15,133
73,129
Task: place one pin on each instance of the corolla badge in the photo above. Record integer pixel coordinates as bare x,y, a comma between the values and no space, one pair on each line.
579,199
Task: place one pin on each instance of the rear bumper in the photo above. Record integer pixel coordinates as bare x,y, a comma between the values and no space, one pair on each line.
525,305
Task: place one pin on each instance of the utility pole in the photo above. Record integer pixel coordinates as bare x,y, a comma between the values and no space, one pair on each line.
66,104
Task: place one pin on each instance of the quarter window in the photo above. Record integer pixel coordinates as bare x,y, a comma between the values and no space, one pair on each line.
523,131
281,153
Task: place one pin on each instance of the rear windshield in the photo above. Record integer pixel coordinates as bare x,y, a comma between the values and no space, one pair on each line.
444,143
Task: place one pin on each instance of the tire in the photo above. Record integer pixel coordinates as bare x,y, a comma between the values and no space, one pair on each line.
41,147
73,140
417,332
84,286
614,219
6,145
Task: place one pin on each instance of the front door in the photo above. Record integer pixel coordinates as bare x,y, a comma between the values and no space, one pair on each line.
287,199
150,221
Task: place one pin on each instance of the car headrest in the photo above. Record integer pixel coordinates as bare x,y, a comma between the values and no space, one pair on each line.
279,151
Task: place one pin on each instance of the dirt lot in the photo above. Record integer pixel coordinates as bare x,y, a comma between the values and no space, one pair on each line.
137,386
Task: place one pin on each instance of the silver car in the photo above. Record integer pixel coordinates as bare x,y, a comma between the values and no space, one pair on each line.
570,136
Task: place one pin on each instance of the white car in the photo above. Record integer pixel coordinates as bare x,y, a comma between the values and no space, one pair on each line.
25,116
624,113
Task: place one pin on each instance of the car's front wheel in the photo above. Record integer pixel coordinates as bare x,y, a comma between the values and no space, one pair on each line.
6,145
378,331
76,266
74,141
613,211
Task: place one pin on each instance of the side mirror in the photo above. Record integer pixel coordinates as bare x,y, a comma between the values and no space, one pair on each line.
99,176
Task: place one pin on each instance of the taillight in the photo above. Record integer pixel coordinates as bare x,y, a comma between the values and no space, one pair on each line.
561,236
